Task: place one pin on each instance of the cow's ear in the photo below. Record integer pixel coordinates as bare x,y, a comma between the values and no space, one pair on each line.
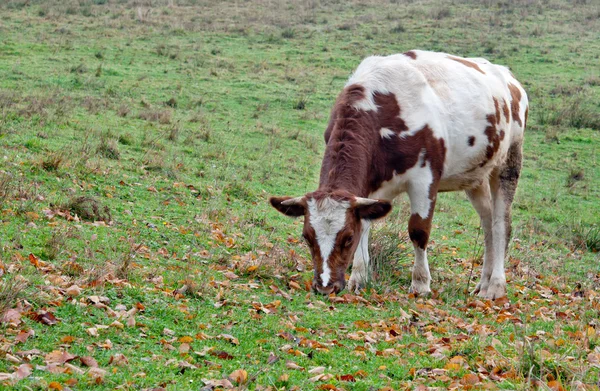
289,206
370,209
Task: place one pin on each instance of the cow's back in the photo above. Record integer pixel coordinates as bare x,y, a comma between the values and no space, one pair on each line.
476,107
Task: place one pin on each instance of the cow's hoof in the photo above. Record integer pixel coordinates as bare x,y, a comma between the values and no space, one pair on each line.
355,285
495,290
479,289
420,288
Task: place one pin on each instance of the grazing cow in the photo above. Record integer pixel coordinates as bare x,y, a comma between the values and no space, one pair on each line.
420,123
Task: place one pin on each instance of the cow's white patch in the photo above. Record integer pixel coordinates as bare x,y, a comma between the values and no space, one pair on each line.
421,179
327,217
386,133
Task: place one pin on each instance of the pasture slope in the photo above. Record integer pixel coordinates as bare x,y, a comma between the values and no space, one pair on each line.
140,139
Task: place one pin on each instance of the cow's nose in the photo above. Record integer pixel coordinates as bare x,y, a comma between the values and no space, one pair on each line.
336,287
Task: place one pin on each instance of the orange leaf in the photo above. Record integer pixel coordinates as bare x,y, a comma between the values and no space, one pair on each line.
67,339
470,379
55,386
555,386
239,376
186,339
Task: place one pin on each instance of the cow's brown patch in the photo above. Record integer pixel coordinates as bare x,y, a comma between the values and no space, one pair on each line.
397,155
348,97
515,103
467,63
497,107
388,112
411,54
471,141
505,110
419,230
493,138
526,115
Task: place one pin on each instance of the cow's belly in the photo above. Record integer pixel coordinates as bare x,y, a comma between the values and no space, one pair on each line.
464,181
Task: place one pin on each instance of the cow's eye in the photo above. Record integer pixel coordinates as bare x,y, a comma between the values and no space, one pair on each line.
349,241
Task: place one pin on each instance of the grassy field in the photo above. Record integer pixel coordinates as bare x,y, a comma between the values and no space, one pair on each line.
140,140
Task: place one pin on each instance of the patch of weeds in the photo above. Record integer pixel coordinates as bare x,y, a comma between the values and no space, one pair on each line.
300,103
439,13
389,256
171,103
123,110
108,148
79,69
11,289
239,191
54,245
126,139
347,26
52,162
399,28
88,208
575,176
288,33
174,133
7,188
160,116
123,270
586,236
92,105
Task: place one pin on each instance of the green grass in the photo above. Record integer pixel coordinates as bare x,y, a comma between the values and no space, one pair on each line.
180,120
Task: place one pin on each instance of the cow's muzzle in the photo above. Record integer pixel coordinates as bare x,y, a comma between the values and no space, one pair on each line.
335,288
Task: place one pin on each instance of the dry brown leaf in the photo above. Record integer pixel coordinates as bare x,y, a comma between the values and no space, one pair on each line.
22,371
317,370
239,376
118,359
89,361
293,365
23,335
73,291
470,379
230,338
59,357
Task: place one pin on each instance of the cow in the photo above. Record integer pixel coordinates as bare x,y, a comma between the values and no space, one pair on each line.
422,123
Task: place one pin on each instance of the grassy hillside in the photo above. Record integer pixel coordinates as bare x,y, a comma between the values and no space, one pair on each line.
139,141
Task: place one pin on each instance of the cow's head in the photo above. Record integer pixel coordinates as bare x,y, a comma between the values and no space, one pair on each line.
332,229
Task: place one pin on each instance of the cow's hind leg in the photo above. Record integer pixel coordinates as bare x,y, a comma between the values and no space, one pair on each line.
422,202
481,199
360,265
503,184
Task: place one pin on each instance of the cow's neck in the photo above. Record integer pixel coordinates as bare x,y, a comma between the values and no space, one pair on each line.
348,158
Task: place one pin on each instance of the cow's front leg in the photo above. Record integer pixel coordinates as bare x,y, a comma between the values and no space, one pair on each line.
360,265
422,202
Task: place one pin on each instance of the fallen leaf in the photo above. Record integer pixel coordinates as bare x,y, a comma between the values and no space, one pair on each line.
118,359
229,338
239,376
44,317
22,371
59,357
23,335
73,291
293,365
316,370
222,355
470,379
54,385
89,361
348,378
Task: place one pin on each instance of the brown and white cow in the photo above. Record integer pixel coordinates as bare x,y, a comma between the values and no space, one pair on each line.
420,123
